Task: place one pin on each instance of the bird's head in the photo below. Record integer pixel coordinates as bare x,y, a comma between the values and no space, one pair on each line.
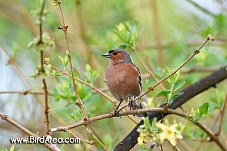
118,56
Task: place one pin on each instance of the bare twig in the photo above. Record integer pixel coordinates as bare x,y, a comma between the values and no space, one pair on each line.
90,142
25,130
45,91
211,134
158,83
83,34
222,113
146,67
12,62
64,29
96,138
202,70
206,11
157,31
23,92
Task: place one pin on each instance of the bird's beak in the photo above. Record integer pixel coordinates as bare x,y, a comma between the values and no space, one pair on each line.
107,55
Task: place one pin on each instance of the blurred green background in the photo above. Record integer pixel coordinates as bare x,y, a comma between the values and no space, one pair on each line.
171,31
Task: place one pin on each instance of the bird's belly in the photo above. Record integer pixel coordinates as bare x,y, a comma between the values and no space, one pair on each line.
120,87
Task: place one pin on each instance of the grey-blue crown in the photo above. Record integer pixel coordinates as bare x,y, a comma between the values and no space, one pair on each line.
127,58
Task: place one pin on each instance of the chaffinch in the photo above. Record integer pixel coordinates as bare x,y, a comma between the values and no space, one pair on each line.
123,78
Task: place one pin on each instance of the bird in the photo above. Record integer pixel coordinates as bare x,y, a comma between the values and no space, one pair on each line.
123,78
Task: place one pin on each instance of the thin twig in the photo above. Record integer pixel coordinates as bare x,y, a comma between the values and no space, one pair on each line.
24,92
45,91
148,70
202,70
64,29
90,142
211,134
83,34
157,31
25,130
11,61
96,138
222,113
206,11
185,62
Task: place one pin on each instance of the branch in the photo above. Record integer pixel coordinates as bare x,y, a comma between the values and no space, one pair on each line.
23,92
222,113
206,11
20,127
210,81
146,67
64,29
45,91
157,31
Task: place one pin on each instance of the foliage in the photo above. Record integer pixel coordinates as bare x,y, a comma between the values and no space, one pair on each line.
175,85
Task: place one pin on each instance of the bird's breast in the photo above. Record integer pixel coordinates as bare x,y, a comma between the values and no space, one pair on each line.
122,81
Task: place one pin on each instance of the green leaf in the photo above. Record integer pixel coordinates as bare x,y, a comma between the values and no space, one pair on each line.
147,123
170,101
177,95
164,93
154,121
203,109
178,85
213,106
4,149
139,34
76,115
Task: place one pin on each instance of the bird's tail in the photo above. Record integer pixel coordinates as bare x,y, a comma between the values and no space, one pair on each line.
136,105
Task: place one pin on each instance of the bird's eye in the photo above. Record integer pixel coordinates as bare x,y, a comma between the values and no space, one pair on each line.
114,53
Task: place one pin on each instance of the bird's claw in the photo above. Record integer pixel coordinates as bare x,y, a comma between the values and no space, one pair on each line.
116,113
130,105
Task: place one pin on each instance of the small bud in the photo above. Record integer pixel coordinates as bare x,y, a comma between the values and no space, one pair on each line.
67,52
56,2
47,60
210,37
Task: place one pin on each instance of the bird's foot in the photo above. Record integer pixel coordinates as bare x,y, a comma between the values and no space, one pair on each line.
116,113
130,105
